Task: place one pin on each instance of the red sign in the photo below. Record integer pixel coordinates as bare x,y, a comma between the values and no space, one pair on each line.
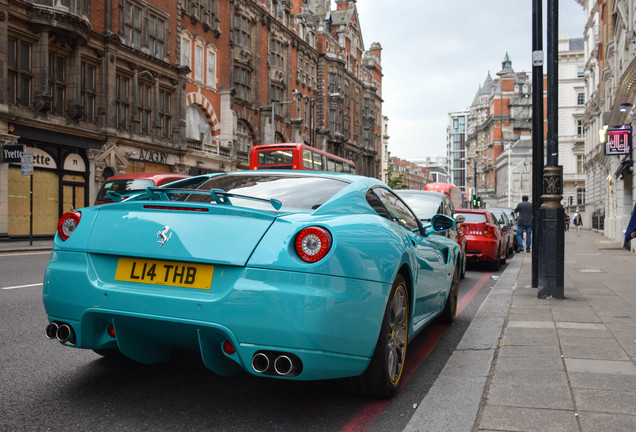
618,141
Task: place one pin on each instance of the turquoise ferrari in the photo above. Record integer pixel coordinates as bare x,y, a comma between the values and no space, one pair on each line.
286,274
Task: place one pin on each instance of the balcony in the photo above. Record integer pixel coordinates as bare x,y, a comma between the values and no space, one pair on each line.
65,18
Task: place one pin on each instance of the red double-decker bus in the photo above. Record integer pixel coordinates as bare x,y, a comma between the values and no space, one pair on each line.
297,156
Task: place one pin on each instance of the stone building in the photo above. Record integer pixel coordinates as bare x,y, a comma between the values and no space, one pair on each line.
102,87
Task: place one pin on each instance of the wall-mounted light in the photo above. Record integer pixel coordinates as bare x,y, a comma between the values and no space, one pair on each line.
602,134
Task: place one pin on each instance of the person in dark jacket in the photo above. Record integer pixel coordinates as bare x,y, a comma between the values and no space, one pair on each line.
524,223
630,232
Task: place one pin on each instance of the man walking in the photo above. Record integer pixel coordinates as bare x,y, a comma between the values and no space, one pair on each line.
524,223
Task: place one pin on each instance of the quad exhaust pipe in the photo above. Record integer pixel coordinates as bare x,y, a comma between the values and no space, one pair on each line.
60,331
277,364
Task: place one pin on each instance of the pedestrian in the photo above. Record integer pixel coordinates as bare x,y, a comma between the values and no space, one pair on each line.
578,222
630,232
567,222
524,223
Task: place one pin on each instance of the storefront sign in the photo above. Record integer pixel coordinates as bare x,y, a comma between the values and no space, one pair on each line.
42,159
153,156
12,153
74,162
618,141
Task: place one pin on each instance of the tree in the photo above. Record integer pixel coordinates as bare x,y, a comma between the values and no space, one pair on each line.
396,182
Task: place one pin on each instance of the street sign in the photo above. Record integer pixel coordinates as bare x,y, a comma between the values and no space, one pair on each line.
27,163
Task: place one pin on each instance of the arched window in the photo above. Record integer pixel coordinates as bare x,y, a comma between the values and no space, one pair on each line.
197,125
244,136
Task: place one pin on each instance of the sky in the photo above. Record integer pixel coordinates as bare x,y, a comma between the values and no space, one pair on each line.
435,54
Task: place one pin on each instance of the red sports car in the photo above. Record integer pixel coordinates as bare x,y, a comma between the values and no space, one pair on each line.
485,241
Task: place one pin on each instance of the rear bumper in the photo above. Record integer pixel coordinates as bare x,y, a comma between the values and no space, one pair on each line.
481,249
330,323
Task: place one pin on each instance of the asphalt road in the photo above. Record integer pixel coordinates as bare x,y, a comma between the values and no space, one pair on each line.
47,386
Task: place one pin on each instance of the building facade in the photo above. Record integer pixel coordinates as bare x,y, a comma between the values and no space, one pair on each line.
456,133
609,74
96,88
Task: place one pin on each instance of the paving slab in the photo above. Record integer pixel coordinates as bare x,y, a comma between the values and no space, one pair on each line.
515,419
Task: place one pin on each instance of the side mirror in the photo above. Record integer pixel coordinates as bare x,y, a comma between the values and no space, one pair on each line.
439,223
460,218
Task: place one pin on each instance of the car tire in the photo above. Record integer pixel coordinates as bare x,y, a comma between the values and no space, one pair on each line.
496,264
384,374
462,256
450,308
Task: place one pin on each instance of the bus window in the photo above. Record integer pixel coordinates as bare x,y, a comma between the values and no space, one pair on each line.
307,164
276,157
339,167
351,169
331,165
317,161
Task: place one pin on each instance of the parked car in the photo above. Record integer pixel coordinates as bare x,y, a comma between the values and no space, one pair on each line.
509,233
485,241
122,183
512,216
256,274
427,204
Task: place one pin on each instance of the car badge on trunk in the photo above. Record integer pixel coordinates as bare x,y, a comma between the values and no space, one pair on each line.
163,235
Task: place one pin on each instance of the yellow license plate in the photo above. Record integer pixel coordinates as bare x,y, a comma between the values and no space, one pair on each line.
164,273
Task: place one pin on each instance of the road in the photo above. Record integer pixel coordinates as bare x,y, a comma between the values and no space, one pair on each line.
47,386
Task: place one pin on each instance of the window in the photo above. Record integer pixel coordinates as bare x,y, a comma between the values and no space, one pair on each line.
580,196
580,164
57,84
211,69
399,212
244,136
122,103
333,121
19,65
165,118
156,36
144,95
201,9
276,53
132,25
580,129
185,53
580,98
332,83
277,94
580,71
242,80
88,92
198,63
242,32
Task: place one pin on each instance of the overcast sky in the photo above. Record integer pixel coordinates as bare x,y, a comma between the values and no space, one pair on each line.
435,54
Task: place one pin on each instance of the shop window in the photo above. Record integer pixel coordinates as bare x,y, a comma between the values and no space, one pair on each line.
19,76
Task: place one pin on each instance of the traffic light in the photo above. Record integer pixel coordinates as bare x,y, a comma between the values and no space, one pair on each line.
474,202
571,200
479,202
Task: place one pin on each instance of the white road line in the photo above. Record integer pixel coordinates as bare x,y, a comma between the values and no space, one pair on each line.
21,286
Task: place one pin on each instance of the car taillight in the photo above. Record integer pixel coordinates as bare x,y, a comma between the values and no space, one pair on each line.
312,244
67,224
489,230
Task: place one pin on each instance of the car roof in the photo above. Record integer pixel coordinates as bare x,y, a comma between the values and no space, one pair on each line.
478,211
418,192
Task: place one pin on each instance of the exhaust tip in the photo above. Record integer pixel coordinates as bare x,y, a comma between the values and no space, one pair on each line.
260,362
64,333
51,330
283,365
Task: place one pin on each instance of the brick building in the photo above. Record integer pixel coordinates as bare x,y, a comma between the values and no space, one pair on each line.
96,88
414,176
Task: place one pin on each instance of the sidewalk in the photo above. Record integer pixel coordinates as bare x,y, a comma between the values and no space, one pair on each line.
527,364
25,245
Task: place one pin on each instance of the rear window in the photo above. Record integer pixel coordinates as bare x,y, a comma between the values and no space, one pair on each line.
275,157
292,191
474,217
122,185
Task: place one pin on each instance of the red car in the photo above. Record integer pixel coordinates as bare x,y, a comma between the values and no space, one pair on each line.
485,241
135,181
